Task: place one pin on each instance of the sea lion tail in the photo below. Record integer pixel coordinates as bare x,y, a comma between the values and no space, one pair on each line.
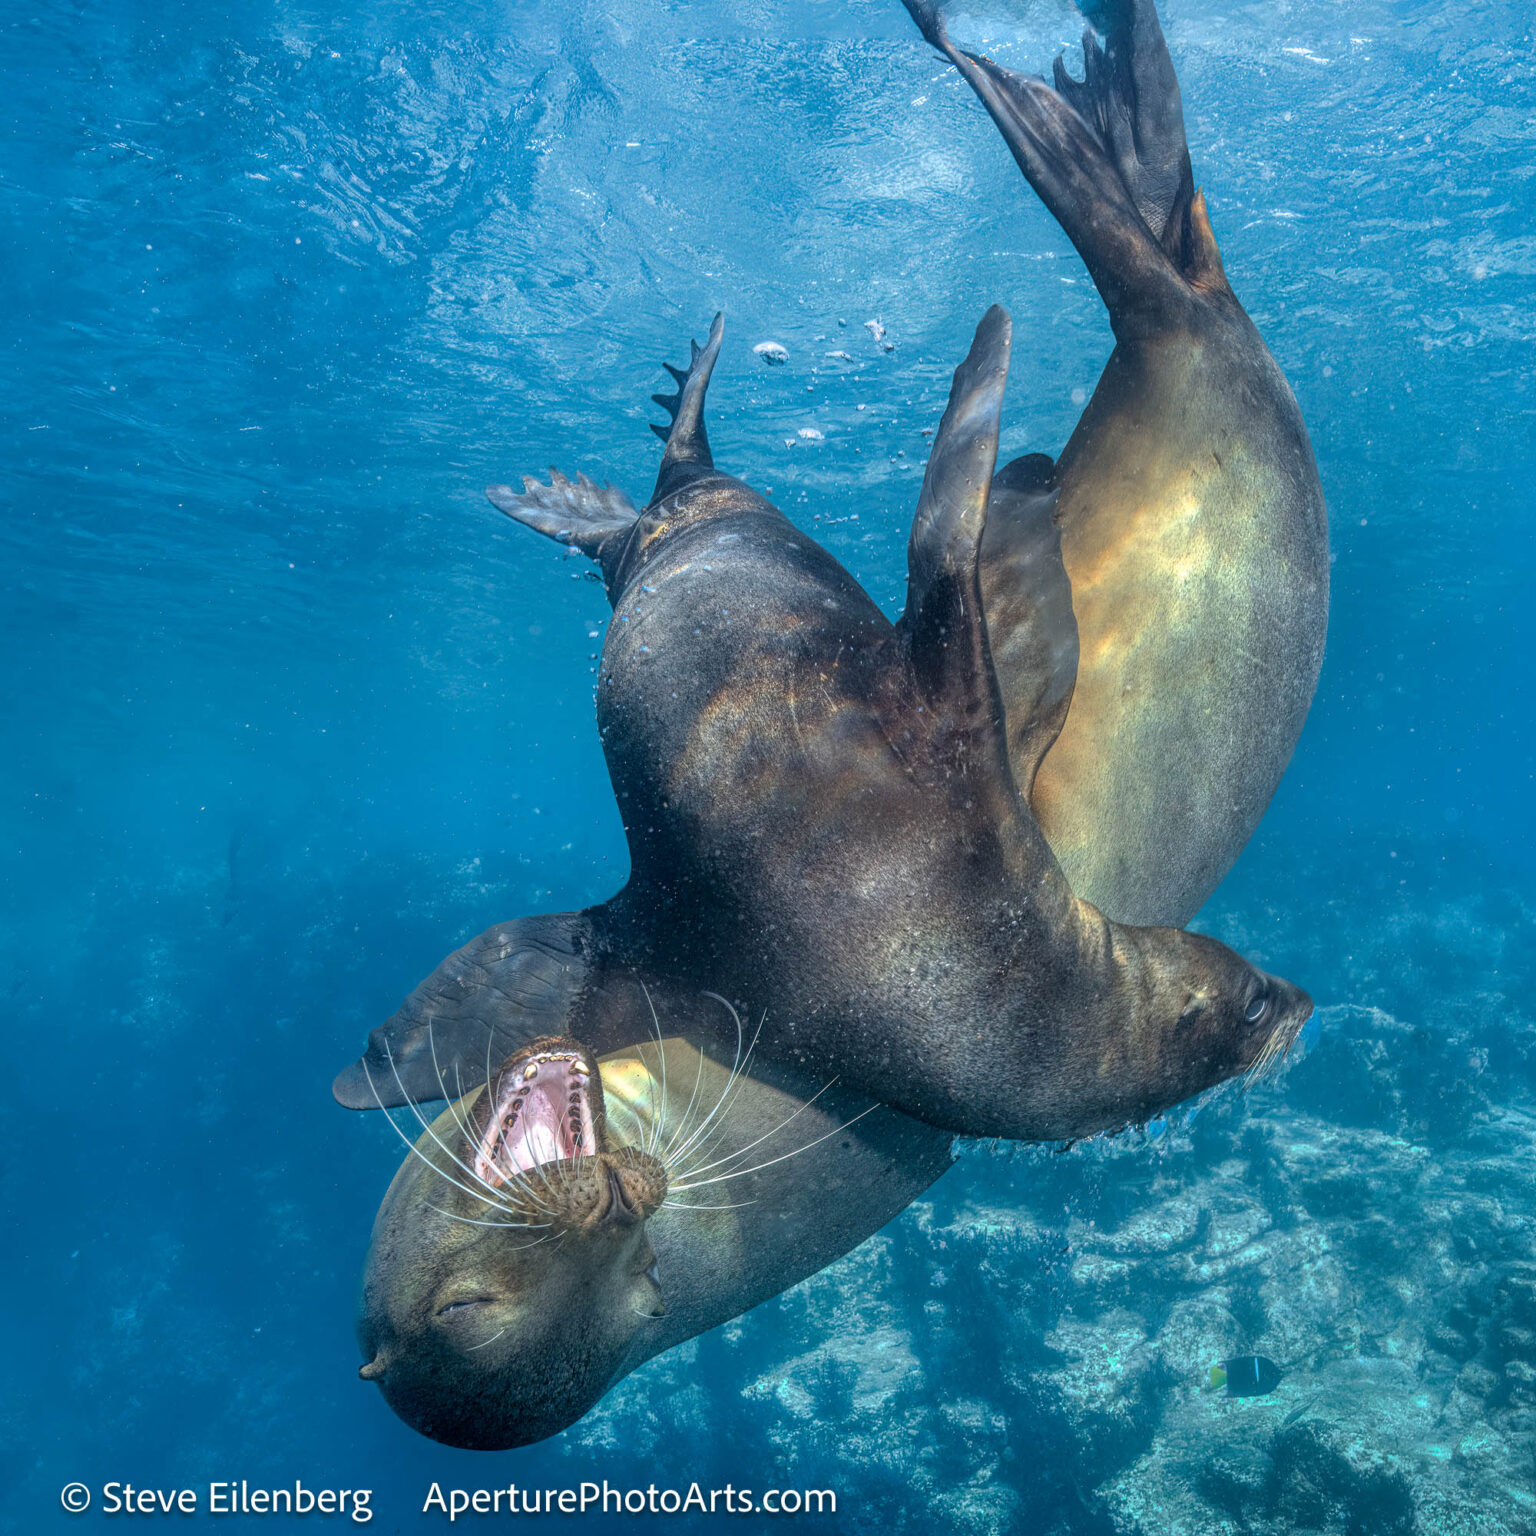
687,441
1080,147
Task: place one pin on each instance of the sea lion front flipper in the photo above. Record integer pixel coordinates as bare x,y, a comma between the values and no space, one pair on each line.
1031,629
577,512
1065,161
943,627
513,984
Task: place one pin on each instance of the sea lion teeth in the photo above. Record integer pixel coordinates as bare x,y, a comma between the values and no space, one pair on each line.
530,1072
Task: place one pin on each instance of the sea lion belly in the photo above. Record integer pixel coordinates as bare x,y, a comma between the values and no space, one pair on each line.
1195,539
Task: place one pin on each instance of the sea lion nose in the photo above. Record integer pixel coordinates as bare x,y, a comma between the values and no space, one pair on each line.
1297,1002
620,1212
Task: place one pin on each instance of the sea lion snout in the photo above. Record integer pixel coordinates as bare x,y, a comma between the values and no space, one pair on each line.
1278,1024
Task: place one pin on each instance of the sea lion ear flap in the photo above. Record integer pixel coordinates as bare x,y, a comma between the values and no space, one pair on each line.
1031,629
943,625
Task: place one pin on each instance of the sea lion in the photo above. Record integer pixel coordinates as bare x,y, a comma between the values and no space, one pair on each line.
523,1262
827,813
1192,521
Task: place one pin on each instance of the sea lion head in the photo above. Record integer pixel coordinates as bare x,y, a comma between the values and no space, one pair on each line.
510,1266
1212,1015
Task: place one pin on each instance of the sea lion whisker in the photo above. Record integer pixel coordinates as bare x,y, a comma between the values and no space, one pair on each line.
657,1113
678,1205
472,1222
456,1102
737,1173
484,1190
473,1347
1275,1049
417,1152
696,1144
675,1153
664,1155
730,1157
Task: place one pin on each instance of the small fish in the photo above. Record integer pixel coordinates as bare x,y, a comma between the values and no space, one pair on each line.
1296,1413
1247,1376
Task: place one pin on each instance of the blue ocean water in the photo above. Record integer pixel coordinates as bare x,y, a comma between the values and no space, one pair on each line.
290,712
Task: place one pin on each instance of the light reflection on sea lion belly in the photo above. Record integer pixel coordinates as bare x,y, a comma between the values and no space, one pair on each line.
1194,536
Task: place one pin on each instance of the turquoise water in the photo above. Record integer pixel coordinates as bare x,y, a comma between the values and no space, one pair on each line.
291,712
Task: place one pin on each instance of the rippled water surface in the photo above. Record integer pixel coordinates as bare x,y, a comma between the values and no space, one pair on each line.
290,712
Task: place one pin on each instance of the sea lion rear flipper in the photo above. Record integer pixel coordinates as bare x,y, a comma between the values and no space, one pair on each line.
1027,599
1076,175
687,441
943,627
1129,96
514,983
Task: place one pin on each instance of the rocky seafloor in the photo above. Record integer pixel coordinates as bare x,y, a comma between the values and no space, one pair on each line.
1028,1348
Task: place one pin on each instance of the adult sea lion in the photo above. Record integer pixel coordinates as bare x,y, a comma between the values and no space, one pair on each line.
824,810
1192,521
526,1259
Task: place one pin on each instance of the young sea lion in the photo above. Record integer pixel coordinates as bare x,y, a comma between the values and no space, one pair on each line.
823,816
523,1261
1192,522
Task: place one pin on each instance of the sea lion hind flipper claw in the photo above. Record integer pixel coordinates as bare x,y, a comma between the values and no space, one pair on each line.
515,983
577,512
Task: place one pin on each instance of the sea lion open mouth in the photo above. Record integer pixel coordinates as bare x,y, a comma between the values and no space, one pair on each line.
543,1106
539,1144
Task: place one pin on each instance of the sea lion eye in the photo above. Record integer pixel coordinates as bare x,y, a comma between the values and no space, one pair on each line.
463,1305
1257,1008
